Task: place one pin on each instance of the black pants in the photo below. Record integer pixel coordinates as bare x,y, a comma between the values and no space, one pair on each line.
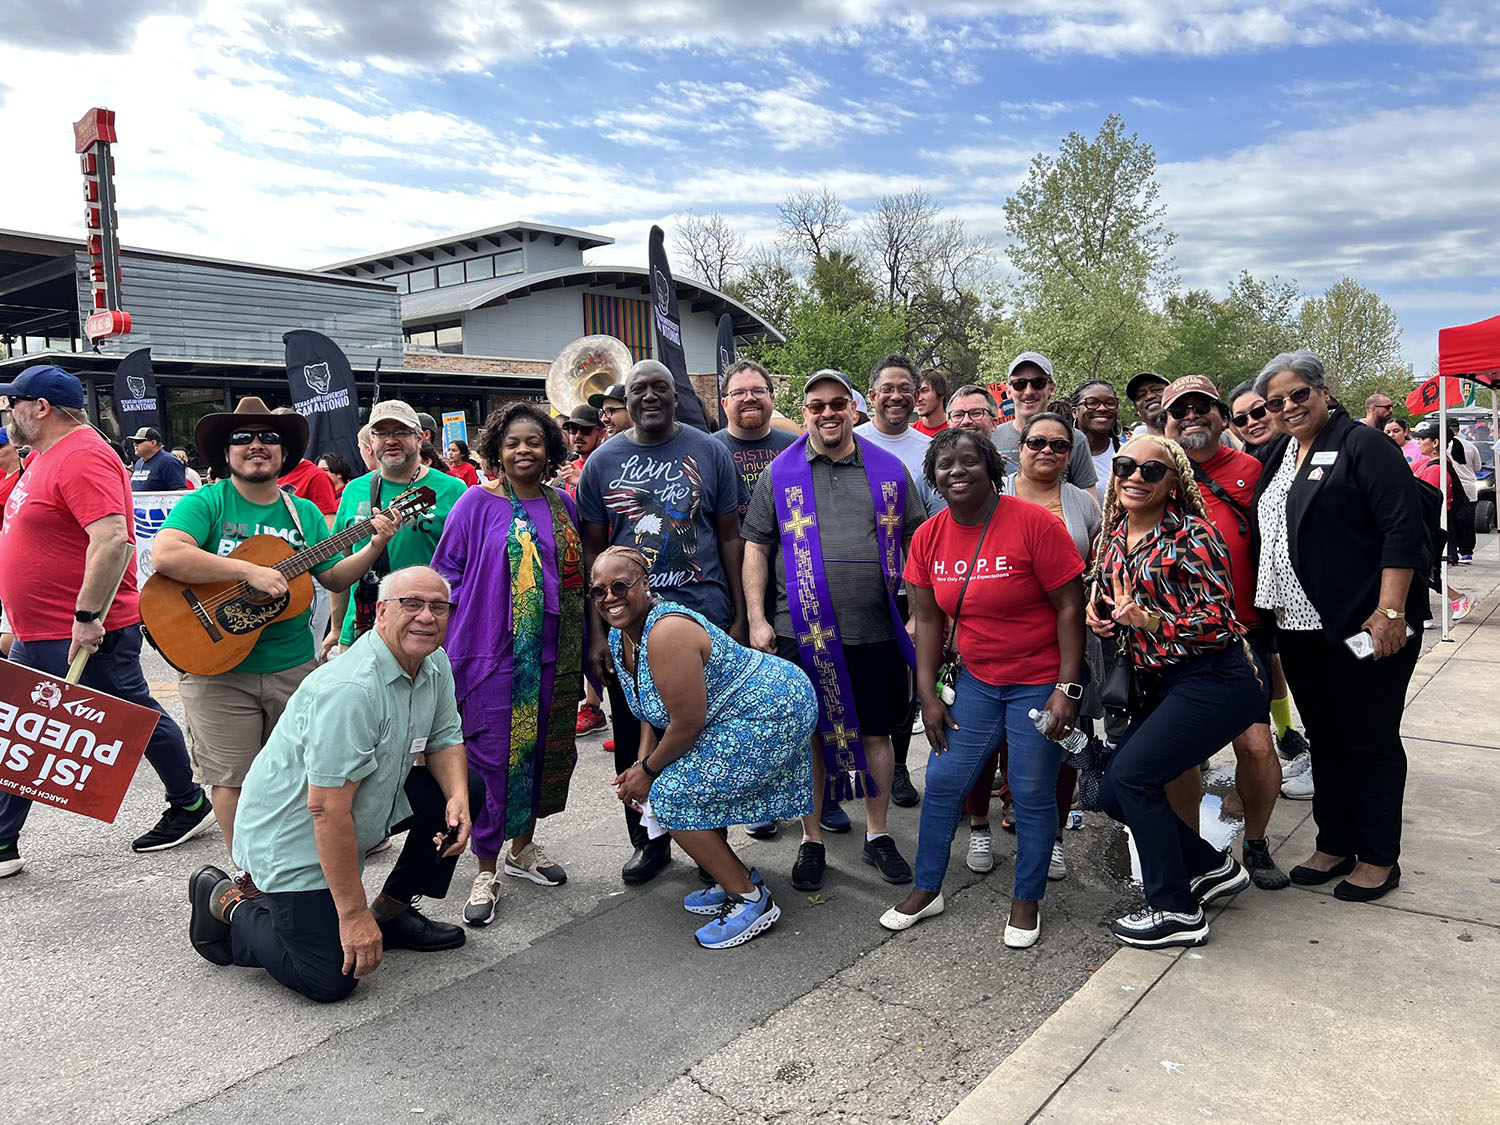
1192,710
1352,711
1461,536
294,935
627,732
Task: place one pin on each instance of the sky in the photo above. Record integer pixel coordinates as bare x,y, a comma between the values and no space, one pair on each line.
1310,139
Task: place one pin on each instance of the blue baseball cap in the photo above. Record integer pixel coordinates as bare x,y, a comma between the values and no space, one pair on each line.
47,381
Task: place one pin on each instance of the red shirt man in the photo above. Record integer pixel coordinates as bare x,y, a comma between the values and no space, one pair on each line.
311,483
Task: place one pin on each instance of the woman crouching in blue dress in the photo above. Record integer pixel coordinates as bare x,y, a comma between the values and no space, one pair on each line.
734,744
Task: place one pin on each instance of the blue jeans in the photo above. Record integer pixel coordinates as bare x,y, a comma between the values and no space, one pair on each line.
984,713
115,670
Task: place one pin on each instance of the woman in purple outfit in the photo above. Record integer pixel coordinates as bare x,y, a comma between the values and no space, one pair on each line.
511,549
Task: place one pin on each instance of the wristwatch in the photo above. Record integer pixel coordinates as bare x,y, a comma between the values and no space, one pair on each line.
1072,691
84,616
1393,614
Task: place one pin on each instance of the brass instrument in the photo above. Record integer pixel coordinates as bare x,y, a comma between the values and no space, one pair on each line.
589,365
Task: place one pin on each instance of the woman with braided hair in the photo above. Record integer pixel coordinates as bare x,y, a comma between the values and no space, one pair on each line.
1162,575
725,738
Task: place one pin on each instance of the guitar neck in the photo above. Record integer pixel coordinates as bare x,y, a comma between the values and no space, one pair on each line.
329,548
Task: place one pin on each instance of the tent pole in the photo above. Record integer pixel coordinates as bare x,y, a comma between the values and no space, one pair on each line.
1443,485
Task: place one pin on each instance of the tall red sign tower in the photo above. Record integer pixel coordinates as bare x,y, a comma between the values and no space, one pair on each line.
93,133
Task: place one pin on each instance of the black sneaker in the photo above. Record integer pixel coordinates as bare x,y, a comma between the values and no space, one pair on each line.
1263,870
1291,744
176,826
807,872
881,854
1229,878
903,792
411,929
1156,929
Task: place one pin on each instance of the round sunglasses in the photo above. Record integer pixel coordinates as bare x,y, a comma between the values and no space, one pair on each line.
1152,472
619,588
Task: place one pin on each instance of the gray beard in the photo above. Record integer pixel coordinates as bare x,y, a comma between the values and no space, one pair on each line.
1198,439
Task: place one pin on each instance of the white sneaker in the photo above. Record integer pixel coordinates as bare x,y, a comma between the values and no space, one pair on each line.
981,850
1057,867
1461,606
532,863
1299,788
483,900
1298,766
12,866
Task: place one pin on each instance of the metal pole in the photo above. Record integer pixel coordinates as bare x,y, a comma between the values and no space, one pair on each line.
1443,486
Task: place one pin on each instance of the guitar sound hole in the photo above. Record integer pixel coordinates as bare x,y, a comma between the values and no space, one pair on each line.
245,616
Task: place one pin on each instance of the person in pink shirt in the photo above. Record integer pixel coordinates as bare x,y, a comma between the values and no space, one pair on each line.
1399,431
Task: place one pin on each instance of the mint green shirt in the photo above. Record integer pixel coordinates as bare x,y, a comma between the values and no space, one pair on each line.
361,718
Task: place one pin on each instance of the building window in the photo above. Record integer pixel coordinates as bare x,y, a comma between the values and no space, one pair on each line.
445,337
450,273
479,269
401,282
451,339
627,319
512,261
423,280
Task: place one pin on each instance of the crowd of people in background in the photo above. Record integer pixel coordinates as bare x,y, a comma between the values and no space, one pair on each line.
768,613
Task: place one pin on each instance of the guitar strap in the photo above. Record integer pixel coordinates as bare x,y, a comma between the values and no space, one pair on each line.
367,589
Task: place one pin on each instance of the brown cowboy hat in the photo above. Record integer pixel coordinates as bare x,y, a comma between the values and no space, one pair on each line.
212,435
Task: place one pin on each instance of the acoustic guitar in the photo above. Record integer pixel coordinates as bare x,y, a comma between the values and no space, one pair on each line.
209,628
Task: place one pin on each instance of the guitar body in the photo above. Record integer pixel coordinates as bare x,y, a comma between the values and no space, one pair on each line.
209,628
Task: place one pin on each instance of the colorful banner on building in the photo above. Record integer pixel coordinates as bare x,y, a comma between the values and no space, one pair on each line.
151,511
136,404
68,747
455,428
323,392
667,319
625,318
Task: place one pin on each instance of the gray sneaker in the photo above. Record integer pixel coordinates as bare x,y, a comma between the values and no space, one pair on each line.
483,901
981,850
532,863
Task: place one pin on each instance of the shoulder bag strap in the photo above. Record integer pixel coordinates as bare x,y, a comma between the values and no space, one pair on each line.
964,589
1241,513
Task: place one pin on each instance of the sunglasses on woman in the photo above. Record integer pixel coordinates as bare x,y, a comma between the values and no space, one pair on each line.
619,588
1151,471
1297,398
1243,420
1036,443
1037,384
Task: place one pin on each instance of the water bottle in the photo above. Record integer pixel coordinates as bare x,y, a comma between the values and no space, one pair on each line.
1073,743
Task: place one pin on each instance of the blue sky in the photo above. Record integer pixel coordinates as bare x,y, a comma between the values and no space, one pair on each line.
1306,139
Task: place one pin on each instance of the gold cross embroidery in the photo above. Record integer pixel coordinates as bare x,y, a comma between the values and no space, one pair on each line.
798,524
843,737
817,636
891,520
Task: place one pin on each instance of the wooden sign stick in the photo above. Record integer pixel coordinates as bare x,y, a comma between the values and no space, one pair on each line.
75,670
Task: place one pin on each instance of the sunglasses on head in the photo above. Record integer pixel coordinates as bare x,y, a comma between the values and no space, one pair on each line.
1037,384
1180,410
619,588
1297,398
1151,471
1256,412
246,437
1036,443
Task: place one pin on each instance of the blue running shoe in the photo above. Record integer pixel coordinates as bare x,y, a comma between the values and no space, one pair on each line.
710,899
739,921
833,818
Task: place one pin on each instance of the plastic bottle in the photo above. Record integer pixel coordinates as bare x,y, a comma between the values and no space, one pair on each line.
1071,744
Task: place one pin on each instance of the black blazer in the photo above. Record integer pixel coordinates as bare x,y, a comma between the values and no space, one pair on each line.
1362,514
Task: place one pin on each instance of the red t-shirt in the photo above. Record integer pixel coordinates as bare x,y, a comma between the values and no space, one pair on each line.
465,472
43,541
5,486
923,428
1431,470
311,483
1007,631
1238,474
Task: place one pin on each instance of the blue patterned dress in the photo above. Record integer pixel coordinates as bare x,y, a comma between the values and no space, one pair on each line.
753,761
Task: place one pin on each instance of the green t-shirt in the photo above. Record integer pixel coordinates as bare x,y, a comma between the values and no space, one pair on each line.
219,519
415,543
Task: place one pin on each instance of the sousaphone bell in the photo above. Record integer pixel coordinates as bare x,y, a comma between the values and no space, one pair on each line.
589,365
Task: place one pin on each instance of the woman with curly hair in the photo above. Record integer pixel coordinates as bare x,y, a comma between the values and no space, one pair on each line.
512,551
1161,587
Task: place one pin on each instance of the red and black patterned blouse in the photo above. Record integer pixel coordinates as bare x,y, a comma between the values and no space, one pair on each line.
1181,571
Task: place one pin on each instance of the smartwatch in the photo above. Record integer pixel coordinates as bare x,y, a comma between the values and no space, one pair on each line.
84,616
1072,691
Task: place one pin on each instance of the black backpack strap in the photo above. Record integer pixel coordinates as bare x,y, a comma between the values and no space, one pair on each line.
1241,513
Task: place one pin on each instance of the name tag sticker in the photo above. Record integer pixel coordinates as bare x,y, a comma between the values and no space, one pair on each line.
1326,457
418,745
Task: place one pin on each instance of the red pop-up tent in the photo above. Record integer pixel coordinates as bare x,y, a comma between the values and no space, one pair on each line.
1473,350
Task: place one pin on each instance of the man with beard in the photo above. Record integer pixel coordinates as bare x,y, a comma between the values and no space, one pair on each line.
1196,417
973,408
155,469
1096,412
752,441
69,527
611,408
585,433
1145,391
671,492
231,715
1031,389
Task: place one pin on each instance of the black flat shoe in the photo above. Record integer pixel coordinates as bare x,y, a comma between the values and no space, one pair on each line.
1349,892
649,861
209,936
1312,877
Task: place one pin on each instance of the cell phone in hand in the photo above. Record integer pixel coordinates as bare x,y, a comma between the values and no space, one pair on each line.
1362,645
450,838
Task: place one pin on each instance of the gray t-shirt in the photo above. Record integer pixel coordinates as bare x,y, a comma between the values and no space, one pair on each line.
664,500
1080,470
911,448
751,458
846,532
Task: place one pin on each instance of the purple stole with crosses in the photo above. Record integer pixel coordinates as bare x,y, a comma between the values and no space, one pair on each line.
811,605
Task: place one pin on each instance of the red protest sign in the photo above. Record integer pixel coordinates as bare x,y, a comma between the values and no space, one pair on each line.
66,746
1424,400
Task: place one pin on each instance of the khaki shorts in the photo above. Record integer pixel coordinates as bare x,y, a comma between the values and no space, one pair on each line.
230,716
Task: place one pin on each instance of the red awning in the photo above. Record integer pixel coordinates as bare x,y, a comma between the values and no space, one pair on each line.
1471,349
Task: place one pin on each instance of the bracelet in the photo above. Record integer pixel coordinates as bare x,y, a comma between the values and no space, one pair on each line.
647,770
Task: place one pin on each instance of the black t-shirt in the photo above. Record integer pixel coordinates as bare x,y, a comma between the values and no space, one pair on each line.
751,458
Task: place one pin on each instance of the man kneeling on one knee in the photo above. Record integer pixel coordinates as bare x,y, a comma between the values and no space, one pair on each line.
339,774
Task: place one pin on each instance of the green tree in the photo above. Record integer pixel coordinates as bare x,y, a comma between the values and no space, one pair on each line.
1358,338
1204,335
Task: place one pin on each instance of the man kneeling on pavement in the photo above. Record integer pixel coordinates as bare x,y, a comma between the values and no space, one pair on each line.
340,773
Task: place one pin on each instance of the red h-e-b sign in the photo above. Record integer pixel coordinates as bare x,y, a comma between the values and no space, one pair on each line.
69,747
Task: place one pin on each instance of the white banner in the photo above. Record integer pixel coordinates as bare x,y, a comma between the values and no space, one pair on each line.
151,510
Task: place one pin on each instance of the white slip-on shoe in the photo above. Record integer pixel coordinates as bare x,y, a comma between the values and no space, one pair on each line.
1017,938
893,919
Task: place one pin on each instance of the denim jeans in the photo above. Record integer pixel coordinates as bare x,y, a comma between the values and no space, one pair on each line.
115,670
985,713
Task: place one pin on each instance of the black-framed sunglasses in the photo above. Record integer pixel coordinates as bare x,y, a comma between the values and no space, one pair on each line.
1256,412
1037,384
1036,443
1181,410
619,588
1296,398
1151,472
439,608
246,437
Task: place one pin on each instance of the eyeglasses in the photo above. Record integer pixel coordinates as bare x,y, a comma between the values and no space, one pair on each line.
611,411
1037,384
619,588
439,609
888,390
838,406
1297,398
1181,410
977,414
1256,412
1036,443
1151,471
246,437
748,392
1100,404
387,435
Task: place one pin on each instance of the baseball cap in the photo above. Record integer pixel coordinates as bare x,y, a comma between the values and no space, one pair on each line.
394,410
1190,385
1036,358
615,391
584,417
146,433
48,381
1133,388
427,422
828,373
1425,430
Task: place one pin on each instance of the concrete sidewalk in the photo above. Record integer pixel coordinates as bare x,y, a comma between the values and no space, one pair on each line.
1302,1007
